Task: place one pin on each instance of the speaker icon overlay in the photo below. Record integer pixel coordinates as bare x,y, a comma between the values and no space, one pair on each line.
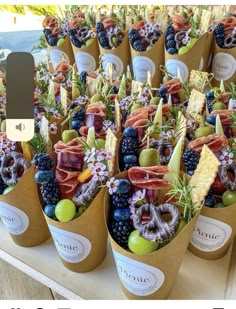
20,96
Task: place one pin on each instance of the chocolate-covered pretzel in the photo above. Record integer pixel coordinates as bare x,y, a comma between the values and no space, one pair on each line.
163,146
227,183
149,222
13,166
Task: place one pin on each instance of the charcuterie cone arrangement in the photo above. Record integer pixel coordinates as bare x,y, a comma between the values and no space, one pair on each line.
134,143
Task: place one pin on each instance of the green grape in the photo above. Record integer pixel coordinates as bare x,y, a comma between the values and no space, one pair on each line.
65,210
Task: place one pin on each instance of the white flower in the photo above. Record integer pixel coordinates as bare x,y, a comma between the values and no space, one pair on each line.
112,184
137,196
225,156
103,155
90,155
99,171
108,124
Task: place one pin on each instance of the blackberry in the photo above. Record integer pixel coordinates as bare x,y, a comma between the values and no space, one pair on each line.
191,159
50,192
104,42
83,77
210,98
170,30
76,43
79,115
129,145
42,161
99,26
133,35
72,32
209,199
139,47
52,41
120,200
3,186
47,31
219,29
120,232
219,35
170,44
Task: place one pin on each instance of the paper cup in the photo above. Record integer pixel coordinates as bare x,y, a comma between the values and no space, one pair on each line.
82,242
119,56
21,213
149,60
62,52
87,58
214,232
192,60
223,65
150,276
207,54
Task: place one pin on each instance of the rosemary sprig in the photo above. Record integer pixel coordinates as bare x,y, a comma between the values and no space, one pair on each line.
182,190
38,144
232,90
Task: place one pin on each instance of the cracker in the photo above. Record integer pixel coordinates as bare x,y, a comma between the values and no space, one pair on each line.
198,80
205,20
204,175
182,131
161,16
111,145
117,117
91,85
64,95
136,87
196,103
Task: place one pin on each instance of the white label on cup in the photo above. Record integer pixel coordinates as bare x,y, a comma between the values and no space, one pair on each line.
210,234
139,278
57,55
223,66
72,248
141,65
172,66
116,61
85,62
15,220
201,64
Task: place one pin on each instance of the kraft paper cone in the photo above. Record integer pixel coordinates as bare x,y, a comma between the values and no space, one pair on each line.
223,65
82,242
21,212
149,60
87,58
119,56
150,276
207,53
214,232
192,60
62,52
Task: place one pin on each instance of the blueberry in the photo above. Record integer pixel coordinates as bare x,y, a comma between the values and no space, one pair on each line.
77,124
170,37
43,177
102,34
190,172
130,132
130,159
124,186
211,120
172,51
121,214
210,201
162,91
210,95
49,211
